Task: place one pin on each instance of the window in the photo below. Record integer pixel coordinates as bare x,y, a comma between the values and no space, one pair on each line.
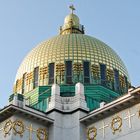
23,83
103,74
116,80
51,73
86,72
126,82
68,72
35,83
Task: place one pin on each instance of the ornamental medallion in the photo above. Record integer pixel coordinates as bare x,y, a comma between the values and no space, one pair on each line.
18,127
116,124
41,134
7,127
92,133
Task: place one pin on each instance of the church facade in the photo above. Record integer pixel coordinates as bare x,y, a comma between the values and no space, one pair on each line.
72,87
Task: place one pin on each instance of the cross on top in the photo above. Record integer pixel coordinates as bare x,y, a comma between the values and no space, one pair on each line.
72,8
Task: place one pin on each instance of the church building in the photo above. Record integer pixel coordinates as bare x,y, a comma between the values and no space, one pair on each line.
72,87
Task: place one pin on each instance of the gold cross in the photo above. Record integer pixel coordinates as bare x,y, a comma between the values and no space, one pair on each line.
72,8
31,130
128,117
103,128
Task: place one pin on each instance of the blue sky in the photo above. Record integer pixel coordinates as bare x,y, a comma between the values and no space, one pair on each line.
24,24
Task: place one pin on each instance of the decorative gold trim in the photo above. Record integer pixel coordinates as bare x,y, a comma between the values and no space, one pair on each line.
18,124
41,132
94,131
116,120
7,127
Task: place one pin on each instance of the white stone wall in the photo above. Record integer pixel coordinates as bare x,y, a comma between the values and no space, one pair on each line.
66,126
114,130
27,122
4,136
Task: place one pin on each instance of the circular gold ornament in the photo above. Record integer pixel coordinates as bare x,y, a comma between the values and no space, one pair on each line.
41,134
7,127
18,127
92,133
116,124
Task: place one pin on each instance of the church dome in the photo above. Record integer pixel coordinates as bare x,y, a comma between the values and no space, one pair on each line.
69,58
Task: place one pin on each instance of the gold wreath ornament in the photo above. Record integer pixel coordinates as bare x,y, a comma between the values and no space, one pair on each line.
7,127
116,124
18,127
92,133
41,134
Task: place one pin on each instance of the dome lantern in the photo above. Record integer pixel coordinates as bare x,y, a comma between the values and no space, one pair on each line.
72,24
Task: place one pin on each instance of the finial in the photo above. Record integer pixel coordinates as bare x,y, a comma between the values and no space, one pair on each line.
72,8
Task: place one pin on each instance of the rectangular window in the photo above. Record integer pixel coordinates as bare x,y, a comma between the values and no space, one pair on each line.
23,83
103,74
86,72
126,83
51,73
116,80
36,70
68,65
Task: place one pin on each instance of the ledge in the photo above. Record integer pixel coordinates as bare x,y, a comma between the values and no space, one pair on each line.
128,100
10,110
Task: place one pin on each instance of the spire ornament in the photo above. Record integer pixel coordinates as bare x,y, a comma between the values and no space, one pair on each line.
72,8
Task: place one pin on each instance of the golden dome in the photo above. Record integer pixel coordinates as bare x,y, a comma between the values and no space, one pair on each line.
74,47
69,58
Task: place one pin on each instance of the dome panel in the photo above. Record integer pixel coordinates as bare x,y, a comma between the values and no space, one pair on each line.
77,48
